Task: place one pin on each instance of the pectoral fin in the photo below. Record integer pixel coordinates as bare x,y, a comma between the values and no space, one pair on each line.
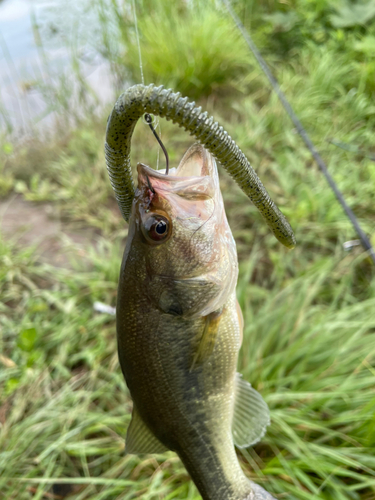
208,339
240,320
251,415
139,438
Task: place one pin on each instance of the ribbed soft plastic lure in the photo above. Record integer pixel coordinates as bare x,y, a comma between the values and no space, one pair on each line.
179,325
141,99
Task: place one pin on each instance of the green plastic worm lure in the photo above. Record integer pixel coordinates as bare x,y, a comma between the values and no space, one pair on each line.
179,325
141,99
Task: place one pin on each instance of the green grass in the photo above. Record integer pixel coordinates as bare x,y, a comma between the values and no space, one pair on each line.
309,340
171,39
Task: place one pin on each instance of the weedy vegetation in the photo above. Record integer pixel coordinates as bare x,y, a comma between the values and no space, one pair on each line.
309,339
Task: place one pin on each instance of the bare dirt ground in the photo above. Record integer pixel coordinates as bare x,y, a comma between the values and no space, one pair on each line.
38,224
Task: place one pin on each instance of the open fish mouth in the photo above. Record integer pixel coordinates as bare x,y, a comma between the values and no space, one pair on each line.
195,178
174,182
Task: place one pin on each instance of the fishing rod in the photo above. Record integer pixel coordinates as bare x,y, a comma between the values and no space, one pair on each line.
301,130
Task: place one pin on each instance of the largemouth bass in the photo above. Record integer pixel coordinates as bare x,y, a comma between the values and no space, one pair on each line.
179,329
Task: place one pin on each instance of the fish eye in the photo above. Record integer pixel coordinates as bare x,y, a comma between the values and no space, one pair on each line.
156,228
161,227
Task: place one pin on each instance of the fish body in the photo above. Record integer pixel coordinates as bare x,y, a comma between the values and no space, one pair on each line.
179,329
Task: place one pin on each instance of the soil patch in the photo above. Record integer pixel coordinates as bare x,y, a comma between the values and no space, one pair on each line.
38,224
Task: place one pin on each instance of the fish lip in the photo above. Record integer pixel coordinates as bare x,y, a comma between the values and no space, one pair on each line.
203,186
151,172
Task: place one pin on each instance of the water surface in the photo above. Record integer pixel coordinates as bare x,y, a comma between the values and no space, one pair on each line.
39,39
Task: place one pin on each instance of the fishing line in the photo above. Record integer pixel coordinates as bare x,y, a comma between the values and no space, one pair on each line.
138,44
157,157
301,130
147,117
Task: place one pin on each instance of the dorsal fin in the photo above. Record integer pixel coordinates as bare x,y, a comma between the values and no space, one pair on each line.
251,415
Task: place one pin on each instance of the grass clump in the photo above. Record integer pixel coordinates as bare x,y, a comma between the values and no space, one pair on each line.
315,361
176,51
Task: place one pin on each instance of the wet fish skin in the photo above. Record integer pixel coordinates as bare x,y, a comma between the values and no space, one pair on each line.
170,293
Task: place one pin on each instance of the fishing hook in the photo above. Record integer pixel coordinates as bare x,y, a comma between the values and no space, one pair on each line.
148,120
149,184
151,192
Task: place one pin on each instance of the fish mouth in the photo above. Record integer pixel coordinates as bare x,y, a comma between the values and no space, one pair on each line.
144,170
195,177
196,163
